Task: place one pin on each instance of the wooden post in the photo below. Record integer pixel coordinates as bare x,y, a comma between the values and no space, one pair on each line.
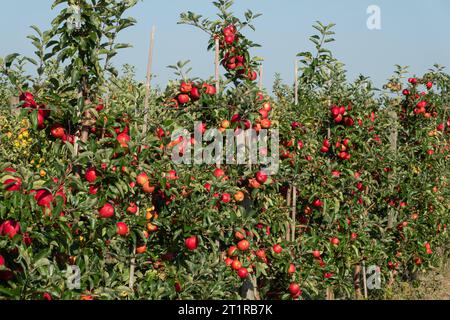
330,293
393,147
357,281
216,63
132,268
364,280
296,82
149,77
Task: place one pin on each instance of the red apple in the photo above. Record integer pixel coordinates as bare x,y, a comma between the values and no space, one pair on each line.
261,177
277,248
58,131
242,273
191,243
243,245
91,175
122,229
107,211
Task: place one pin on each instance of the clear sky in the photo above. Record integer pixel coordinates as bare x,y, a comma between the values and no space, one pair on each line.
413,33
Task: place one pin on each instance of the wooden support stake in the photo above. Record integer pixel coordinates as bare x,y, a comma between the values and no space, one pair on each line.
357,281
330,293
216,63
364,280
296,82
393,147
149,77
132,268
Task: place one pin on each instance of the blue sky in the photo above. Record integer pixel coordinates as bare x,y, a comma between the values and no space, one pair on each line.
413,33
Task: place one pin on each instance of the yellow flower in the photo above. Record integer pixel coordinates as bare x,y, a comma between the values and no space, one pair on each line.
42,160
42,173
25,134
9,134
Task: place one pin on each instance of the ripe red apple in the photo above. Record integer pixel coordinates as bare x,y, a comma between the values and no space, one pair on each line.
122,229
236,264
294,289
261,177
291,268
324,149
422,104
242,273
191,243
57,131
252,75
171,175
243,245
267,106
413,81
317,203
142,179
123,139
2,260
9,228
264,113
40,121
132,208
277,248
219,173
229,31
195,94
43,197
226,198
12,184
183,98
93,190
316,254
91,175
186,87
210,90
336,173
334,241
231,251
107,211
230,39
265,123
